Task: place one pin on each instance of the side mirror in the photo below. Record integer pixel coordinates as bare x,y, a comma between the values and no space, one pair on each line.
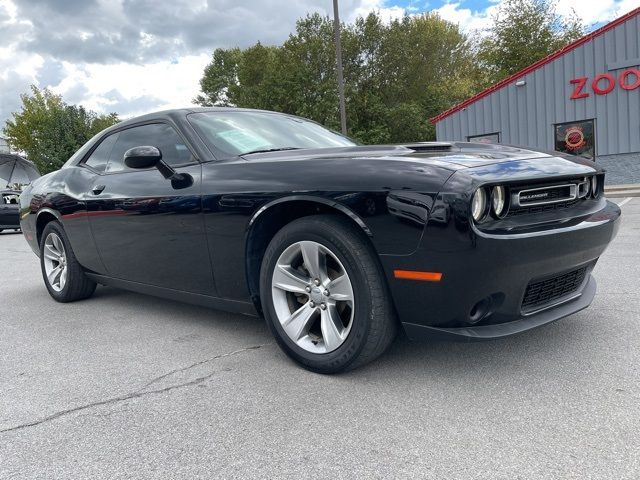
142,157
147,156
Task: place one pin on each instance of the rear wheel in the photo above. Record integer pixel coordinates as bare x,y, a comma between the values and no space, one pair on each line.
324,296
63,276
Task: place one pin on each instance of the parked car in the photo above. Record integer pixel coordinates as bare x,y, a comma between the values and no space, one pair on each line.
336,244
15,173
9,210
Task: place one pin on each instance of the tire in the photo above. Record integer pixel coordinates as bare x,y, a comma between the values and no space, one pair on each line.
360,329
63,286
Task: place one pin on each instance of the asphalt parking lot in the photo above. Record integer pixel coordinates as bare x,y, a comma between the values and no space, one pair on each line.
129,386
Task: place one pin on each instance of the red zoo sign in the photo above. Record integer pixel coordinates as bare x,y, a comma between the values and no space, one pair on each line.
604,83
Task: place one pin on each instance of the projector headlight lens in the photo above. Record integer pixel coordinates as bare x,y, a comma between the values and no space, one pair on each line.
498,201
479,205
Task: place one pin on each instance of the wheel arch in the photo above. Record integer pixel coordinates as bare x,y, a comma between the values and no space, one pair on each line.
270,218
44,216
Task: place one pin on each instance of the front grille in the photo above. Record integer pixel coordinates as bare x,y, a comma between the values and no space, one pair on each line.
556,193
546,195
545,292
540,197
541,208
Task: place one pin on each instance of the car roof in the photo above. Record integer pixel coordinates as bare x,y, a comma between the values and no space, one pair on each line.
182,112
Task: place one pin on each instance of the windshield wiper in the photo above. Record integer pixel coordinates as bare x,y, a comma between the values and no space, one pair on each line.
270,150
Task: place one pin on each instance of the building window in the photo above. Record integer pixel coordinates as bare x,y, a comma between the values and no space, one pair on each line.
487,138
576,138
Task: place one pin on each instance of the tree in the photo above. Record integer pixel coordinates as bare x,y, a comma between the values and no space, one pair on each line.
220,75
523,32
49,131
397,75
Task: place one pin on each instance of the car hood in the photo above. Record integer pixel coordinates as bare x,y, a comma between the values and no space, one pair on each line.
453,156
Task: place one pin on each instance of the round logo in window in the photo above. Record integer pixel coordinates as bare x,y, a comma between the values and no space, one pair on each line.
574,138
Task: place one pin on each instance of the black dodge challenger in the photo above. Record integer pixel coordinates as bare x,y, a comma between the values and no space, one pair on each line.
336,244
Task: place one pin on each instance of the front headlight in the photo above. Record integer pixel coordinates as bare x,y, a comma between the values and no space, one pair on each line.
594,186
499,201
479,205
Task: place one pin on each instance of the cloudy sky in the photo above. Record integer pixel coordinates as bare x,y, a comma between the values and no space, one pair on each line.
136,56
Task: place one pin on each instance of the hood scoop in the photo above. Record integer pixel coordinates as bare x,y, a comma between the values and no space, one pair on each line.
429,147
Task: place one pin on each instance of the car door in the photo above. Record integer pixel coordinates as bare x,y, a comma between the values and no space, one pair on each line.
9,216
145,228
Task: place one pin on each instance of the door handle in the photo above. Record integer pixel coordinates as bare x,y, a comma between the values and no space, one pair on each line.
97,190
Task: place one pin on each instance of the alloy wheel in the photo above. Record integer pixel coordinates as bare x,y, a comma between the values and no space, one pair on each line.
313,297
55,262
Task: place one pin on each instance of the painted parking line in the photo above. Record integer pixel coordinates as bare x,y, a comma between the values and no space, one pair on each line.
625,201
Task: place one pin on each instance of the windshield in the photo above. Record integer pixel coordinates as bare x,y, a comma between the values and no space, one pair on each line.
245,132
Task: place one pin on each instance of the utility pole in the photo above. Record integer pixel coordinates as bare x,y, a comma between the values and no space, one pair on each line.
336,27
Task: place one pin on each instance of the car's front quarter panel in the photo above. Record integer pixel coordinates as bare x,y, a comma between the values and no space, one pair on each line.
390,200
497,261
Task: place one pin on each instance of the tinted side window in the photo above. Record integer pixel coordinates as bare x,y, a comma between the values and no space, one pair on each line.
10,198
174,151
98,159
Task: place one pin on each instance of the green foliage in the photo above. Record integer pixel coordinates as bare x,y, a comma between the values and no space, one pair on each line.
100,122
49,131
397,75
523,32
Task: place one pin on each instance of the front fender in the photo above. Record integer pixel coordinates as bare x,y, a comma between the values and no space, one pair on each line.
394,220
314,199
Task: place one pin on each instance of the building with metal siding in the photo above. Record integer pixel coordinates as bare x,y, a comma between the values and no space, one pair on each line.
583,99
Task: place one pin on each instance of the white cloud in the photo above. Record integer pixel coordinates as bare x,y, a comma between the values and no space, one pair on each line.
126,62
386,12
465,17
591,12
596,11
164,84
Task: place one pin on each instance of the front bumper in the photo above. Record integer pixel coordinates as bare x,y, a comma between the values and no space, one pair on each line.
522,324
494,271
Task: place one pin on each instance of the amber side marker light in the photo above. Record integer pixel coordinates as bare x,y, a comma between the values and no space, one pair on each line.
415,275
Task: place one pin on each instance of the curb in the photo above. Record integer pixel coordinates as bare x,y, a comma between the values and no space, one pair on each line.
621,191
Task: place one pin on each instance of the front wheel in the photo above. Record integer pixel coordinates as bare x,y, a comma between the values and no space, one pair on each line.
63,276
324,296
